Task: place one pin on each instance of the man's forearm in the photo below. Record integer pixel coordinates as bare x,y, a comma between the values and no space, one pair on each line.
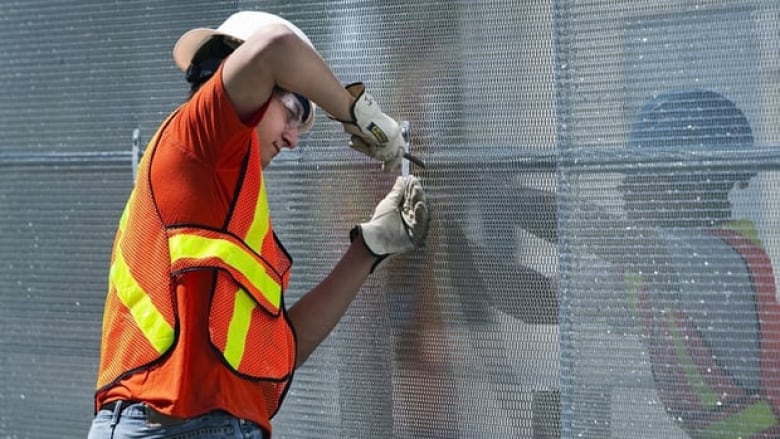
316,314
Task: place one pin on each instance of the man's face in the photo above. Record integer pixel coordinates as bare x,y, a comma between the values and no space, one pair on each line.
278,129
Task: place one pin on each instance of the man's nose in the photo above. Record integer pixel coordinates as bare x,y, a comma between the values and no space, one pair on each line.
290,137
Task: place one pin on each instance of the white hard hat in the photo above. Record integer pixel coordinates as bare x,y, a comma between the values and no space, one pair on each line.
239,26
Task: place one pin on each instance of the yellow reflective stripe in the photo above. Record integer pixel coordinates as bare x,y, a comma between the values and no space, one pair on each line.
126,212
708,396
634,287
238,328
746,228
148,318
199,247
746,423
259,227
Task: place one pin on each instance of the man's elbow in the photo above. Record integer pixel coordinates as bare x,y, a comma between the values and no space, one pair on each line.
271,42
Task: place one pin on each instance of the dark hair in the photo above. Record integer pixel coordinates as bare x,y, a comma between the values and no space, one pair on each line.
207,60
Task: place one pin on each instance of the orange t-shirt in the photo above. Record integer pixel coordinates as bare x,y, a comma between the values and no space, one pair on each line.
195,168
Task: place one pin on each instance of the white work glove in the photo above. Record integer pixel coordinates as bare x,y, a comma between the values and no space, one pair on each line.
399,223
374,133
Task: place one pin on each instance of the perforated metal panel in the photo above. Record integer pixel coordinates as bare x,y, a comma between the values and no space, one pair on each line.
602,179
667,167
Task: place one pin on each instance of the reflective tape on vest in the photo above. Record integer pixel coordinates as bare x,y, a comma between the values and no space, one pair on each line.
260,225
708,397
147,317
239,328
747,423
197,248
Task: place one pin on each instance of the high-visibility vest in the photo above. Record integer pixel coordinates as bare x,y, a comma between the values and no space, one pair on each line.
246,320
695,388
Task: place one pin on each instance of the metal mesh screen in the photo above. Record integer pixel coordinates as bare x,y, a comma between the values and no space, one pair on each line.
667,163
601,175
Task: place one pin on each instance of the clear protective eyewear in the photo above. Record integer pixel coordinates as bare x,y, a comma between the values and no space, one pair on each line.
297,108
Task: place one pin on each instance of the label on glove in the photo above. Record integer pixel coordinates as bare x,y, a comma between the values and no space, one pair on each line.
377,132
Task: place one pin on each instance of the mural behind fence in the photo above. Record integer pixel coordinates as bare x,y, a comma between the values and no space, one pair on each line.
601,262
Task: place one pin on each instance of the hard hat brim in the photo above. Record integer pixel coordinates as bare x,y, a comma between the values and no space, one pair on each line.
189,44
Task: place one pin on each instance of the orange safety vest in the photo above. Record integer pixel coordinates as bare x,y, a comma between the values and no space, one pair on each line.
694,387
246,322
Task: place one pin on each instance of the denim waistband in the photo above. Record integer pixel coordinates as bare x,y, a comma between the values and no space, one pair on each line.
122,408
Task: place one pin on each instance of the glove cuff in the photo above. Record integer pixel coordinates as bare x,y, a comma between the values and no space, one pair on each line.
356,232
356,90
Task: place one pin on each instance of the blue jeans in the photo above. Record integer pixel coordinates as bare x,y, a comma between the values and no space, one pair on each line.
130,422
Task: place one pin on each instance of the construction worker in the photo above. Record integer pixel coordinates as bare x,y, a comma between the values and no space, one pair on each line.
703,282
197,339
